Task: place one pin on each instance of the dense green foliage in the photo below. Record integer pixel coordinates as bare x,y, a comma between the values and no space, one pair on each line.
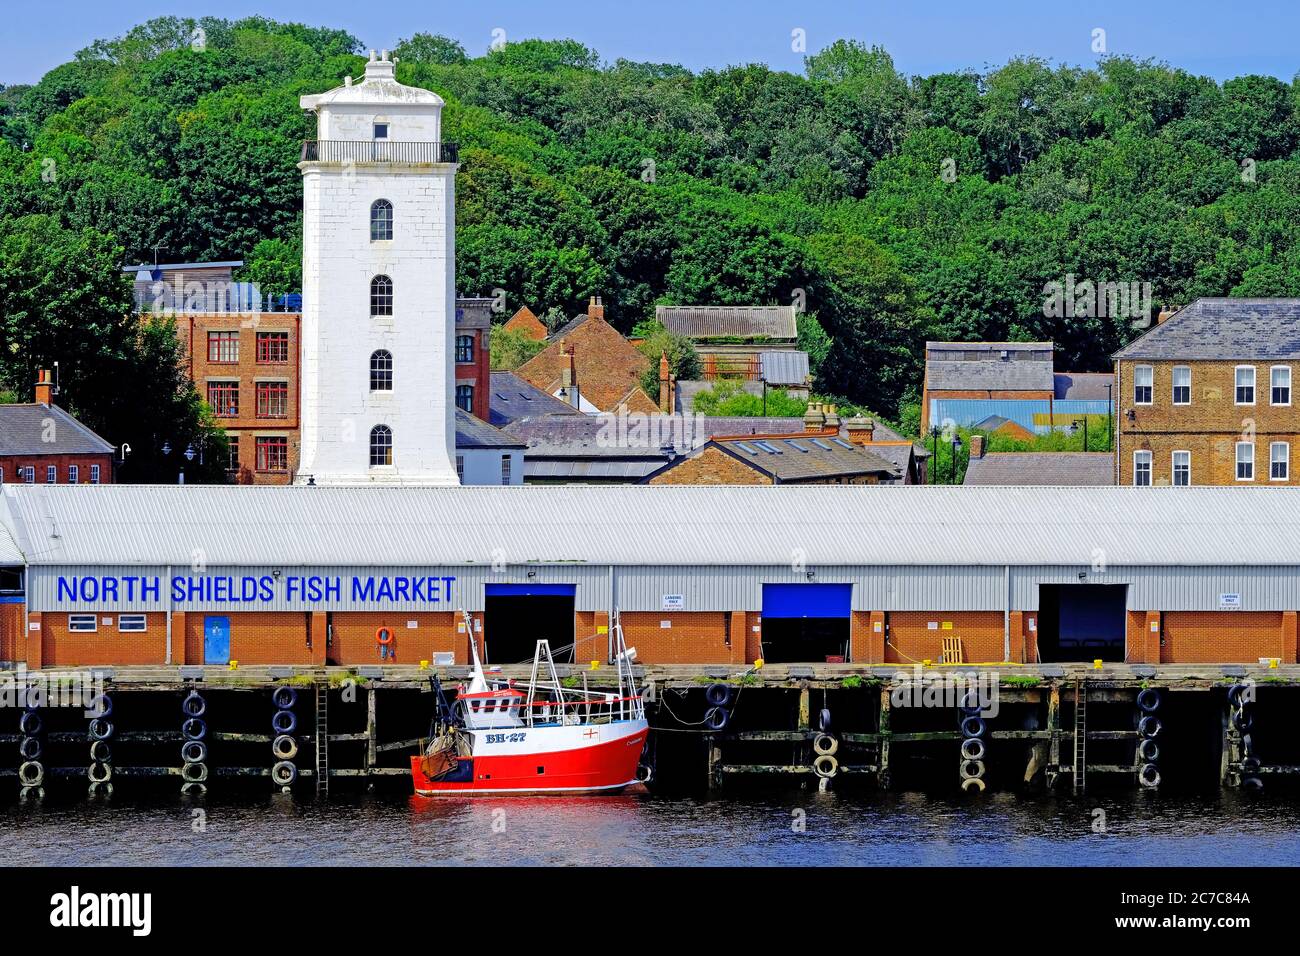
896,209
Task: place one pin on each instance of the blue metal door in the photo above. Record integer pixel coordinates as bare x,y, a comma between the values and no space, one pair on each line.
216,640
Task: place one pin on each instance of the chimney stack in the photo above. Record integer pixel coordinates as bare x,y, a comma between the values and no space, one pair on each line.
665,385
595,308
44,388
977,446
859,430
1164,315
814,419
569,373
832,420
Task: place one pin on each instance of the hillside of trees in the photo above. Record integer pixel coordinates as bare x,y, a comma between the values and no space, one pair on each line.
900,208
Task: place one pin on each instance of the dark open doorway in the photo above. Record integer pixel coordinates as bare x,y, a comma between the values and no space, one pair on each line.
516,617
806,623
1081,622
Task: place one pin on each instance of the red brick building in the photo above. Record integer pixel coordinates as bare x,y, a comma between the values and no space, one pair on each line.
41,443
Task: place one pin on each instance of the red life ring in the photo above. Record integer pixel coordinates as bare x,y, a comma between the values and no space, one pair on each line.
384,636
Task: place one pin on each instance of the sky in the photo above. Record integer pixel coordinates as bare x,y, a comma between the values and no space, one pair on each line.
1217,39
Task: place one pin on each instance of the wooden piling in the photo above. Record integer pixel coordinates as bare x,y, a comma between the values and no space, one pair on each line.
1054,738
882,765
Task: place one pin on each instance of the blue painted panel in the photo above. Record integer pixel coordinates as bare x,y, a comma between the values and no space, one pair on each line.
807,600
216,640
530,590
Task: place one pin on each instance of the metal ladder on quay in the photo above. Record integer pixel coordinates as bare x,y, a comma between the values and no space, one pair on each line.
322,748
1080,736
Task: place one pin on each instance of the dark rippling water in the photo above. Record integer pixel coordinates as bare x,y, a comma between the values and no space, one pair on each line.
839,829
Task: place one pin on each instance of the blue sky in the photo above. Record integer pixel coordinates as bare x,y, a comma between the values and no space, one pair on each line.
1213,38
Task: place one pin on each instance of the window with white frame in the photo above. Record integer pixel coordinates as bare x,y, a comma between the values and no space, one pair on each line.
51,474
29,475
1279,461
1182,385
1182,468
1245,461
74,474
82,622
505,469
1279,380
132,623
1142,379
1245,381
94,474
1142,468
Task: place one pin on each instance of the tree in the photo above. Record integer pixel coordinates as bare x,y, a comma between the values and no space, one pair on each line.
656,342
431,48
512,349
64,298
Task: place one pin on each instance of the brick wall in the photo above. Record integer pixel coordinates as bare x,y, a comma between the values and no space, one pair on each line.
256,637
1204,637
105,645
711,466
1209,427
698,637
911,639
354,639
10,464
13,633
246,426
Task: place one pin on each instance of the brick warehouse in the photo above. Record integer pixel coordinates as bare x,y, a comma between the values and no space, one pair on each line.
123,575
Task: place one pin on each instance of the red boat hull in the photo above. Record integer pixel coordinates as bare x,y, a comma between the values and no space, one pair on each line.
606,766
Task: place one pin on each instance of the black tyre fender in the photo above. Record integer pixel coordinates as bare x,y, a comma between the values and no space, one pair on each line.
1149,726
194,751
973,748
194,705
825,744
824,720
284,697
31,774
30,723
194,729
29,748
971,768
1148,750
101,705
194,772
284,722
1148,699
1250,765
970,703
1243,720
718,695
1252,783
284,747
1149,775
284,773
717,718
100,729
99,772
826,766
973,784
100,751
972,726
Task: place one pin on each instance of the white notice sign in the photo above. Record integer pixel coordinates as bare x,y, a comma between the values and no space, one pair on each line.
1229,602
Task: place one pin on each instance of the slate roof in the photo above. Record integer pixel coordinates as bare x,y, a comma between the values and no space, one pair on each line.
742,321
1082,385
472,432
23,431
1212,329
511,398
1042,468
801,458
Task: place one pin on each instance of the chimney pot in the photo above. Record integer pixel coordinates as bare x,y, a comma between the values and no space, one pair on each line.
44,388
977,446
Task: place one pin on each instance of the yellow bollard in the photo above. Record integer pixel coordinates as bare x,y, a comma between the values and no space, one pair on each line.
595,665
1096,664
1272,663
758,664
234,665
926,662
424,665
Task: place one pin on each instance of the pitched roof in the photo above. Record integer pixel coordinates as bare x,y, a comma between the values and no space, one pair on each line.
526,323
26,430
1082,385
511,398
1222,328
1042,468
607,366
998,366
799,458
472,432
744,321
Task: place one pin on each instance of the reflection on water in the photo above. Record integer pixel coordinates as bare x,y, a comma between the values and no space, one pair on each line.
793,828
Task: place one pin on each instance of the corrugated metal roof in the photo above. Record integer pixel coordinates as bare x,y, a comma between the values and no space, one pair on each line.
785,368
1218,328
34,429
665,526
808,458
720,321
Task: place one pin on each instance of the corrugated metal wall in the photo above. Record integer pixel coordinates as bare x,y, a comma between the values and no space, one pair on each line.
710,588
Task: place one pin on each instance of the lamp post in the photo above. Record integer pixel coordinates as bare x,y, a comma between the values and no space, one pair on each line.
956,448
1074,430
934,474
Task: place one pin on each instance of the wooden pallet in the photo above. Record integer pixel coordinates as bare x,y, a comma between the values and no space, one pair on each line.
952,652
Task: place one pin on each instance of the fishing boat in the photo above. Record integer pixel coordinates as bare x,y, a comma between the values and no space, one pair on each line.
540,738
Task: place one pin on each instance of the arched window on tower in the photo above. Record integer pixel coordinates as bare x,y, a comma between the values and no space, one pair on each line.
381,371
381,296
381,220
381,446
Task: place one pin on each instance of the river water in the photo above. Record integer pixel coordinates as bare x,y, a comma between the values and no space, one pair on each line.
788,828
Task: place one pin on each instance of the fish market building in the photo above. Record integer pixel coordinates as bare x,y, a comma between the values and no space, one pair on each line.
313,576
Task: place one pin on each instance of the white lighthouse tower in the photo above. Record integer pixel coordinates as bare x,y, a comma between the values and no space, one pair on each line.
379,250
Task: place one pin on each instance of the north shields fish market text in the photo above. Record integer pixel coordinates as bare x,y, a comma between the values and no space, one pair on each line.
262,589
